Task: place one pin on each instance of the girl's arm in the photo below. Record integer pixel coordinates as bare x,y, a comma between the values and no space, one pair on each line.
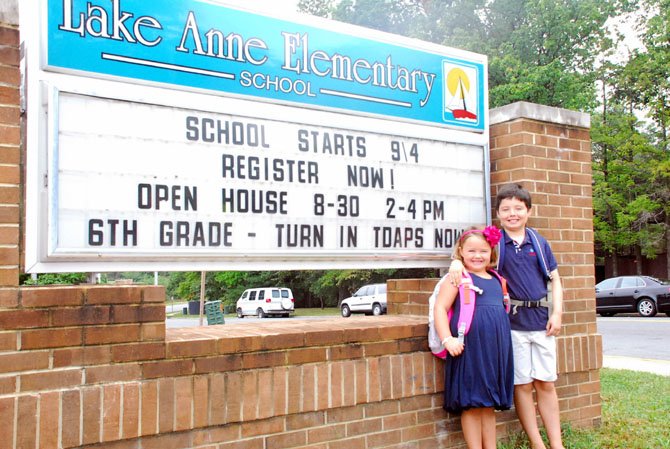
445,299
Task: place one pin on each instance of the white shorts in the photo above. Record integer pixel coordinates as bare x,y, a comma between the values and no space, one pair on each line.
534,357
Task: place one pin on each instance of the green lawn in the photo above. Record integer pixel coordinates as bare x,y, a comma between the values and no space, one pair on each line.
317,312
636,408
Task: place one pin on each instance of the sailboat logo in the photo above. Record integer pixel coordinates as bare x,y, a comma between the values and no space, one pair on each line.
460,93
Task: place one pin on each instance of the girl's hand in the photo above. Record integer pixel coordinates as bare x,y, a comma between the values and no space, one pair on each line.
453,347
455,274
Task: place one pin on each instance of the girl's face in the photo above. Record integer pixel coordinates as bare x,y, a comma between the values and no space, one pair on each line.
476,253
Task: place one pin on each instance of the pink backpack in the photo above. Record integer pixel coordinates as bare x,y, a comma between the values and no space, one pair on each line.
468,299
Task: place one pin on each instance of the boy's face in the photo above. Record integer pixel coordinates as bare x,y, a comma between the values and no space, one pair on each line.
513,214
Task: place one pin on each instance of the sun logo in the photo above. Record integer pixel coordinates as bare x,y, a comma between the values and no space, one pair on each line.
460,96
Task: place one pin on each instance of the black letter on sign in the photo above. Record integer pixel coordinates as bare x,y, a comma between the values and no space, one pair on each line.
192,128
144,196
95,235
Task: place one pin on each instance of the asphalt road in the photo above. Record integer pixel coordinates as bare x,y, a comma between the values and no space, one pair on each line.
635,336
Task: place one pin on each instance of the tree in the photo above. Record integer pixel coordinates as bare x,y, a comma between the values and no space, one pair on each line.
656,85
386,15
628,214
320,8
643,85
542,51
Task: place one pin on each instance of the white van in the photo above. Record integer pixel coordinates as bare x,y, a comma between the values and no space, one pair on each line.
265,301
369,299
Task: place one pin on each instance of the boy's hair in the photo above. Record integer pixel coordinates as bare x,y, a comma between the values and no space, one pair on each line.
467,235
514,190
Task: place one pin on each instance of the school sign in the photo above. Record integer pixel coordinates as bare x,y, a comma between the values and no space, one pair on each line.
194,135
203,45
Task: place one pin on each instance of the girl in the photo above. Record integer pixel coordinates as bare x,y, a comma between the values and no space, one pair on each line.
479,374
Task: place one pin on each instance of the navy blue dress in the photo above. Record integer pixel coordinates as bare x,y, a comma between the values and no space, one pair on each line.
483,374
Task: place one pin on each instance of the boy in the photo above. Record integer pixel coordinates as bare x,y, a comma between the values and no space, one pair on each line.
534,322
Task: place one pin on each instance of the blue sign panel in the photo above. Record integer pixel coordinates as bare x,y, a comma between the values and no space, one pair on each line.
202,45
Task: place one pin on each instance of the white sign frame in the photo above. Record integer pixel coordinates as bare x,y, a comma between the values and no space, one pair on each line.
44,88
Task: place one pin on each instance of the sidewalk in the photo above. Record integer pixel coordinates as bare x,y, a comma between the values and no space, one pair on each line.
654,366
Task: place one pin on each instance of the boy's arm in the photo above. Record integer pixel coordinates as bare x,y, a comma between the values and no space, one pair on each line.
456,270
554,323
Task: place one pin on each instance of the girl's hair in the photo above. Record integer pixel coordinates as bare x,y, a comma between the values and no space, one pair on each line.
469,233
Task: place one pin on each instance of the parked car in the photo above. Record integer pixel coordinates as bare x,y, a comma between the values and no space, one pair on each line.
369,299
642,294
265,301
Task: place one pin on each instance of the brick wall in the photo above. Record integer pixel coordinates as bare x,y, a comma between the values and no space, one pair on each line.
548,151
10,171
93,365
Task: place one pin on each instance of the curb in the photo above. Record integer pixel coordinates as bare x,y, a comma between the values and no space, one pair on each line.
654,366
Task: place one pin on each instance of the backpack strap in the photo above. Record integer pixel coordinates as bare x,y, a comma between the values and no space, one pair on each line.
467,299
436,346
503,284
537,247
542,258
501,250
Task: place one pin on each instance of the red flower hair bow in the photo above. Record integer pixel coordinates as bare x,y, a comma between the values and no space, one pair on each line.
492,235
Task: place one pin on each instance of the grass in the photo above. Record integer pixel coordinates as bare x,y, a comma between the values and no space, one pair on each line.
636,407
328,311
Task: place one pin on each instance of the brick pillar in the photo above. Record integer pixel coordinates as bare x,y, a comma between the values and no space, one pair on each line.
548,150
10,139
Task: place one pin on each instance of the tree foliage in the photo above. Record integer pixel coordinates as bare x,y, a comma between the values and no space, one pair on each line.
631,158
541,51
311,288
625,212
56,278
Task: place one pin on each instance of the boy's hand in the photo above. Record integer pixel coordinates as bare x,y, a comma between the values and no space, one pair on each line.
554,325
456,270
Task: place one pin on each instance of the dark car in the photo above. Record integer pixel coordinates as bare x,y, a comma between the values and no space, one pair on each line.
624,294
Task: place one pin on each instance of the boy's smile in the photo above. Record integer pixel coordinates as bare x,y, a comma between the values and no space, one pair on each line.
513,215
